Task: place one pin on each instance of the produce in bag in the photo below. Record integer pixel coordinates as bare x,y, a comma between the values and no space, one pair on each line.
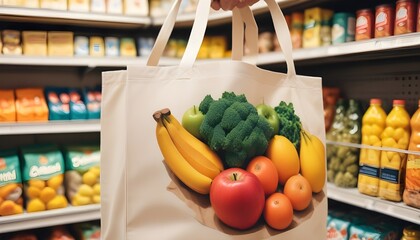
11,199
343,161
411,194
43,172
82,174
396,135
373,124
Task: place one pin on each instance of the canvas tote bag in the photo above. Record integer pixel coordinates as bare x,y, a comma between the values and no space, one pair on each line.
140,198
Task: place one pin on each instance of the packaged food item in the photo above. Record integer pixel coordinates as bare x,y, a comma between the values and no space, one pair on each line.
58,103
330,96
93,100
145,45
172,47
88,231
96,46
7,106
54,4
312,27
218,46
31,105
411,232
373,124
325,31
364,24
11,42
337,228
11,198
60,44
159,8
405,17
114,6
265,42
395,135
181,44
343,27
79,5
60,232
34,43
384,20
411,194
82,174
81,46
31,3
97,6
296,29
136,7
15,3
77,106
43,170
128,47
112,47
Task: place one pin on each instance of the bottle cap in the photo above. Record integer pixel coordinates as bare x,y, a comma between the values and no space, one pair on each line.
376,101
398,102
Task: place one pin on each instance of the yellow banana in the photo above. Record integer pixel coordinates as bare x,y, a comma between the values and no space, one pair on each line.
197,153
177,163
312,160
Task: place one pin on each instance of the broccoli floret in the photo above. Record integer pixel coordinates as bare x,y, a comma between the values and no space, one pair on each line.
290,124
233,128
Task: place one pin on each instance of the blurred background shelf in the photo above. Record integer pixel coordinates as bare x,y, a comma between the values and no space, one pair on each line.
70,126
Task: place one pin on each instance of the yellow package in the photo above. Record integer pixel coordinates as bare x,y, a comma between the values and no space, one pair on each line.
395,135
54,4
204,51
312,27
128,47
11,200
16,3
218,45
31,3
7,106
79,5
96,46
60,44
34,43
31,105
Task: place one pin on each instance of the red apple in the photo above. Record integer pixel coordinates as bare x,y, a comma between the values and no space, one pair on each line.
237,198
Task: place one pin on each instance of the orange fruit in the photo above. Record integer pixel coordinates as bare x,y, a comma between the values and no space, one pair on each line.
284,156
266,172
278,211
299,192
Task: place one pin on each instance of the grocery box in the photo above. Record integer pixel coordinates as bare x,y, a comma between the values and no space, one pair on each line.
81,46
92,97
77,106
79,5
112,46
34,43
136,7
54,4
60,44
96,46
43,175
11,42
128,47
7,106
11,197
82,174
31,105
58,103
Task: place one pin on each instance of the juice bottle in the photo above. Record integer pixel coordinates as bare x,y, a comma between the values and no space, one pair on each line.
396,135
373,124
411,194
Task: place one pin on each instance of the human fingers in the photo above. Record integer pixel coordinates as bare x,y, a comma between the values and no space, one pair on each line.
215,4
245,3
229,4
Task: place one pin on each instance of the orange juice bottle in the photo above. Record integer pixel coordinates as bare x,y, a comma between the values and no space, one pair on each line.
373,124
411,194
396,135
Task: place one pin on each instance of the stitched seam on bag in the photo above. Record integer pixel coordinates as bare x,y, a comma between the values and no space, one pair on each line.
125,157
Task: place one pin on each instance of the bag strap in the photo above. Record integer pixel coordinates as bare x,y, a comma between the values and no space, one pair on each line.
244,16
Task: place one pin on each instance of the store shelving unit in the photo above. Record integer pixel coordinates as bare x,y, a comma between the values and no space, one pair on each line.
389,47
50,218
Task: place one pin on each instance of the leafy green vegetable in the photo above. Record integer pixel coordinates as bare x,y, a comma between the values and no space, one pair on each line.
233,128
290,124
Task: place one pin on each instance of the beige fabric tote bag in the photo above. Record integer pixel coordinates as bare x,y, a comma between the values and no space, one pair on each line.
140,200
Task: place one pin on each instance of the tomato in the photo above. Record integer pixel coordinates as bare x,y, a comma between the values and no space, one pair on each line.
266,172
278,211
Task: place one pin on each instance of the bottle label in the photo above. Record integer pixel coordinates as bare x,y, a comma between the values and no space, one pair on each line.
390,175
381,21
369,171
402,16
361,25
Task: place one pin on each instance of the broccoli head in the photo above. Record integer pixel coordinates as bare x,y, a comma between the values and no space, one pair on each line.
233,128
290,124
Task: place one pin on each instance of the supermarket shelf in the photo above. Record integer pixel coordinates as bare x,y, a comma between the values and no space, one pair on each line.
49,218
352,50
67,17
219,17
353,197
71,126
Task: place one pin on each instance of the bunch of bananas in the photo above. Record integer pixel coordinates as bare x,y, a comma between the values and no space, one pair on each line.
191,160
312,160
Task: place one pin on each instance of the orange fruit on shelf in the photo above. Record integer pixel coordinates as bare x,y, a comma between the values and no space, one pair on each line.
278,211
284,156
299,192
266,172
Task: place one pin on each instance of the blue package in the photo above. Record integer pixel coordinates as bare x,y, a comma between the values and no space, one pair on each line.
93,98
77,106
58,103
